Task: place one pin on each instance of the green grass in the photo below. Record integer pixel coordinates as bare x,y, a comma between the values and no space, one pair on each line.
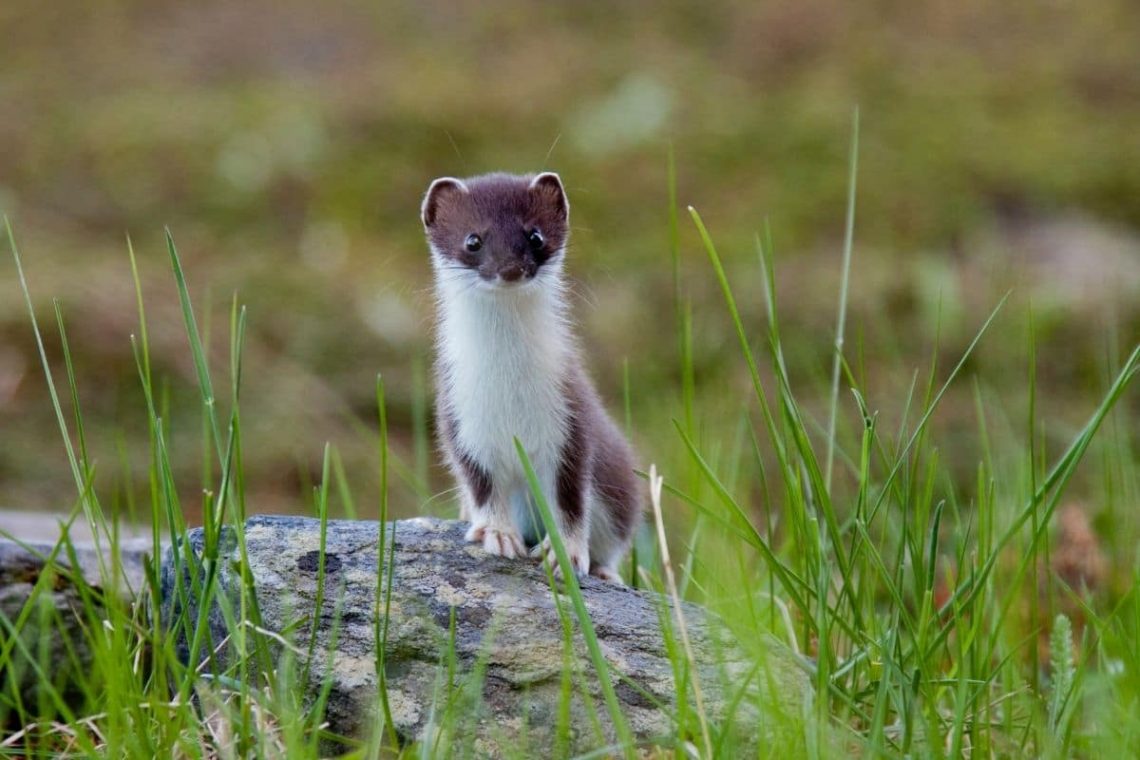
916,604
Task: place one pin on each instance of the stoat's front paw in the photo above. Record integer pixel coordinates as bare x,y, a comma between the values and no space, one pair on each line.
579,552
503,541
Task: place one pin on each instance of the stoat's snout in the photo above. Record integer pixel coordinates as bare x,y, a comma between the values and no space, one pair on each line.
514,271
511,273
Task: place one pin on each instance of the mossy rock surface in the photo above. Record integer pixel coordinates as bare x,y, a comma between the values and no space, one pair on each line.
507,625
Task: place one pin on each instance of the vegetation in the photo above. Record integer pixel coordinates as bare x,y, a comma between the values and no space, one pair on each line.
921,611
289,150
902,441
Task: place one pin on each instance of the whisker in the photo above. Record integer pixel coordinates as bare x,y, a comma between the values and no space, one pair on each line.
441,494
550,152
455,146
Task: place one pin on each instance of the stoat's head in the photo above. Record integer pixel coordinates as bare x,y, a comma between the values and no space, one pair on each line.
497,230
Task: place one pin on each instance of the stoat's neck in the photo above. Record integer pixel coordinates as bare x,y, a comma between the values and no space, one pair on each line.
523,329
506,357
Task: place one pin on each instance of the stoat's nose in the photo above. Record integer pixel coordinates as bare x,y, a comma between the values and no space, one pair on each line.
511,273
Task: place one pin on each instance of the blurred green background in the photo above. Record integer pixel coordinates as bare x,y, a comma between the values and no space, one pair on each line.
287,144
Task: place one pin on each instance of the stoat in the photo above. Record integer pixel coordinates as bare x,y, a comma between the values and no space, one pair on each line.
508,366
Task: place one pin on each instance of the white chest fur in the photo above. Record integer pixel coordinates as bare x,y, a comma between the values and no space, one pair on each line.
504,355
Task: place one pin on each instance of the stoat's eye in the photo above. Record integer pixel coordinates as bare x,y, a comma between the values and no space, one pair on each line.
535,240
473,242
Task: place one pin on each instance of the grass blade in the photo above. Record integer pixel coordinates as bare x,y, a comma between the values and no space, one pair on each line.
574,591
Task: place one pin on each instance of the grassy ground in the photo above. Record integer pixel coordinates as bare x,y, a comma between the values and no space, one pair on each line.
941,617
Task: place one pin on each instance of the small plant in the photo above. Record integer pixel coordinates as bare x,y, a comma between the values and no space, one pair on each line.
1063,670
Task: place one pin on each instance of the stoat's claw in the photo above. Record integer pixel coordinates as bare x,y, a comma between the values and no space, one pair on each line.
541,549
503,542
579,557
474,534
608,574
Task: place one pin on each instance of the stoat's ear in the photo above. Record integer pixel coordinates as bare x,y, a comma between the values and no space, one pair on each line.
548,188
440,194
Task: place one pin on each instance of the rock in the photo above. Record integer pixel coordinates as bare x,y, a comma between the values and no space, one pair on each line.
505,620
1074,260
46,528
54,631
